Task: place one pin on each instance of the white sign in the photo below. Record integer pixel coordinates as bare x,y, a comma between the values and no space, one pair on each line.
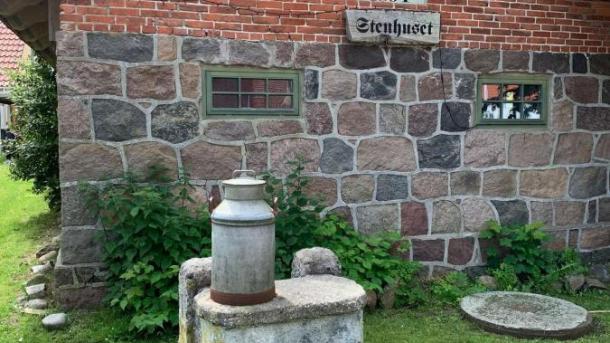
393,26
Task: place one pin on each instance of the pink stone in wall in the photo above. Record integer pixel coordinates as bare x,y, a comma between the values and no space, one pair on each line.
289,149
530,149
414,219
386,153
206,161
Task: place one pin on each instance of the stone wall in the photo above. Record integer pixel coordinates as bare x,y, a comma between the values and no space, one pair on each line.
384,146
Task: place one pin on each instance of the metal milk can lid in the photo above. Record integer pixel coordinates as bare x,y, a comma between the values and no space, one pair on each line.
244,187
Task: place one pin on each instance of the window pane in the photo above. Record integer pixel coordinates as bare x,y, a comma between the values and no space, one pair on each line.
491,110
222,84
280,101
531,111
280,86
253,101
512,92
225,100
253,85
531,92
511,110
491,92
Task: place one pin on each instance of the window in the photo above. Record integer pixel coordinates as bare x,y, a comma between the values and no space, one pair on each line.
512,99
247,92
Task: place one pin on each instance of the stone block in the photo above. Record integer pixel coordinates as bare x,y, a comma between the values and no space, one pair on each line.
343,212
126,47
80,297
361,57
465,182
195,275
426,185
432,250
530,149
592,212
337,156
74,208
606,92
512,212
465,85
386,154
175,123
557,88
190,77
166,48
569,213
73,118
542,212
482,61
151,82
357,118
357,188
446,217
392,119
594,238
311,83
88,78
579,63
69,44
206,161
484,148
440,151
282,53
413,219
289,149
600,64
573,148
516,60
446,58
545,183
80,162
230,130
455,116
409,60
435,86
593,118
500,183
243,52
81,246
380,85
271,128
604,210
116,121
588,182
318,117
583,89
314,54
323,189
37,291
377,218
339,85
315,261
143,157
460,250
392,187
205,50
423,119
408,88
551,62
602,149
476,214
562,115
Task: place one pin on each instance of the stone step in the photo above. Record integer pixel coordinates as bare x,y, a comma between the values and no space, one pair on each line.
38,304
48,257
36,291
55,321
33,311
41,268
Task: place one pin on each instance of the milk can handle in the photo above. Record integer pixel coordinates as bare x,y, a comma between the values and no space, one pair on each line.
247,172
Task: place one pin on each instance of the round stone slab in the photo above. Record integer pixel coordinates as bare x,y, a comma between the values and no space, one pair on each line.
526,315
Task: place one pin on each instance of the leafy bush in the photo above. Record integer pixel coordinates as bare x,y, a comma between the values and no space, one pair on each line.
34,153
453,287
519,259
149,231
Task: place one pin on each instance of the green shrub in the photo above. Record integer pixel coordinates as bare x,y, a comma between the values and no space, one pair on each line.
34,154
149,231
453,287
519,260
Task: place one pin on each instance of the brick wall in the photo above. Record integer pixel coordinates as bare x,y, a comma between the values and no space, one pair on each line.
539,25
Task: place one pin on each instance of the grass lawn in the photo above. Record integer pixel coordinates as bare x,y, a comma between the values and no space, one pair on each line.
25,223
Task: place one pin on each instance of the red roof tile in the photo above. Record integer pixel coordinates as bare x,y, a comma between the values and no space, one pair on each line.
11,52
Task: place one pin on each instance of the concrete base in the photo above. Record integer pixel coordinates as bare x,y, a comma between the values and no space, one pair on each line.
315,308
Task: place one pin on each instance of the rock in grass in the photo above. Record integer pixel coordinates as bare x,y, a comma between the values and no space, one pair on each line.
388,298
33,311
54,321
595,283
575,282
488,281
41,268
48,257
36,279
371,299
46,249
600,272
38,304
36,291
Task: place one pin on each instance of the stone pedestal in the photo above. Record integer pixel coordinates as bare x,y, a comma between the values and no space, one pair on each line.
314,308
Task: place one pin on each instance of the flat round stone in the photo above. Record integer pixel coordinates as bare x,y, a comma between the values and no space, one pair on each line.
526,315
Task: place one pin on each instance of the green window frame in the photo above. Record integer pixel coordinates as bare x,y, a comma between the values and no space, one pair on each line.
244,105
516,102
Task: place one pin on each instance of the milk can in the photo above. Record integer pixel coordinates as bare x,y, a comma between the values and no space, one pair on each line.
243,243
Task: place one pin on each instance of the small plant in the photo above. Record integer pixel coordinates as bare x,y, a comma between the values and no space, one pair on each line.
453,287
149,232
506,277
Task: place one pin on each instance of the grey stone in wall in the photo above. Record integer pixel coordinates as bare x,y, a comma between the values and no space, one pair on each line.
386,154
63,276
73,118
484,148
230,130
272,128
315,261
542,212
557,87
512,212
408,88
455,116
256,156
281,53
530,149
175,123
289,149
190,77
206,161
311,83
573,148
166,48
151,81
339,85
81,297
435,86
446,58
515,60
482,61
562,118
143,157
84,162
465,85
376,218
116,121
337,156
600,64
318,117
551,62
81,246
409,60
74,208
465,182
440,151
604,210
446,217
392,187
127,47
423,119
379,85
579,63
592,211
587,182
593,118
476,214
501,183
204,50
361,56
602,149
426,185
543,183
247,53
606,92
314,54
69,44
357,188
88,78
392,119
569,213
